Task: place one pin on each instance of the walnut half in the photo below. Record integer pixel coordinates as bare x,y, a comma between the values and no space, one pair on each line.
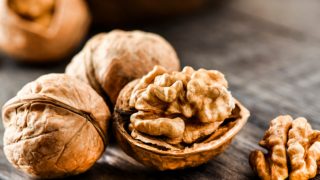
293,150
183,118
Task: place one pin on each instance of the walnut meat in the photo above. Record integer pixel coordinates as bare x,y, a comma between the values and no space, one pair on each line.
55,126
42,30
172,120
110,60
294,150
181,106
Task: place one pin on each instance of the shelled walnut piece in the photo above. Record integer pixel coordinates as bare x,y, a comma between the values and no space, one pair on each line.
292,140
39,11
182,107
110,60
55,126
174,120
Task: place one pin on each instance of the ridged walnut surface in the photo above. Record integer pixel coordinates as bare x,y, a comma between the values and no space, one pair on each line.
55,126
33,30
293,150
110,60
166,158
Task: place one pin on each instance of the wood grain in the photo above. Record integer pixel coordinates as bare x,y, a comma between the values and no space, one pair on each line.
270,58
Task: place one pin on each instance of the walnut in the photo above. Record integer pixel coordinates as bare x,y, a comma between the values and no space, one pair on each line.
42,30
55,126
290,143
172,120
110,60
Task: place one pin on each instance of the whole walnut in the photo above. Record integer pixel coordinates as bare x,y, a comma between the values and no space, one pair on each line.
42,30
55,126
110,60
173,120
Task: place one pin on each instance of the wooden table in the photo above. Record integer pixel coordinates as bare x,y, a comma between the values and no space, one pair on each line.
270,53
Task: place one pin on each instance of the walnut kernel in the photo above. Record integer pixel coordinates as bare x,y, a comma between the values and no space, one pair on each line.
289,142
182,106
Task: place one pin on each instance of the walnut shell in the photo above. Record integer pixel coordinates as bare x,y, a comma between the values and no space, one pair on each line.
163,158
110,60
42,39
55,126
119,11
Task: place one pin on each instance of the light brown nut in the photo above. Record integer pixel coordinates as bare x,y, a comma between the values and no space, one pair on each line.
110,60
42,30
198,102
55,126
288,139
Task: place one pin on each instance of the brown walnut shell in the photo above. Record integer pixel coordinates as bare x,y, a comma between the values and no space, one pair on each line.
55,126
110,60
164,159
27,40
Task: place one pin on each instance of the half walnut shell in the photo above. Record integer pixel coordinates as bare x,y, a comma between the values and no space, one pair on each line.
162,158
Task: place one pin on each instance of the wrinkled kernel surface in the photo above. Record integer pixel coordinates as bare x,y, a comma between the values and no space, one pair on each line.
288,140
180,107
39,11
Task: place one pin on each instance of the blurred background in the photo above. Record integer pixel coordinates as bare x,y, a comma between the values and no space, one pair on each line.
268,50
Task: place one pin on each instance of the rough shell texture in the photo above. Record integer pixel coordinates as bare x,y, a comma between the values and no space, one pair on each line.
44,38
106,12
110,60
289,142
167,158
55,126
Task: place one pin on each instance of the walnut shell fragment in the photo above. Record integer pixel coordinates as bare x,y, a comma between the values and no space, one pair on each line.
174,120
55,126
42,30
293,150
110,60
